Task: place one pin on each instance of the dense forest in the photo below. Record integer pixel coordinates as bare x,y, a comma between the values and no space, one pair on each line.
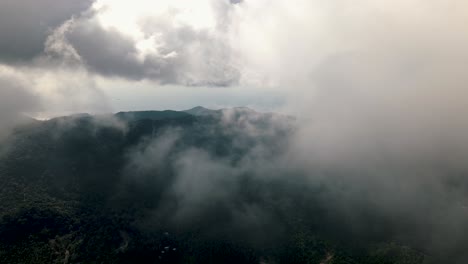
199,186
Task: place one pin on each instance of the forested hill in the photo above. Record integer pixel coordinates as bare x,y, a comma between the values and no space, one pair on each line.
195,186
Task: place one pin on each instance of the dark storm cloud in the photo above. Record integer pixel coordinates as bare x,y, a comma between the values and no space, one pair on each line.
25,25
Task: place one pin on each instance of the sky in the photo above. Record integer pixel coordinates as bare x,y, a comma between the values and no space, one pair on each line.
107,56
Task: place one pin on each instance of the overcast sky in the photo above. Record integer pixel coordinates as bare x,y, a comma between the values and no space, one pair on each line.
111,55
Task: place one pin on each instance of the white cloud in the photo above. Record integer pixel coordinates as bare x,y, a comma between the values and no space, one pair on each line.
169,42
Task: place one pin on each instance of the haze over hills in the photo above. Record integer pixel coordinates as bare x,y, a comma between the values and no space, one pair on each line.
201,186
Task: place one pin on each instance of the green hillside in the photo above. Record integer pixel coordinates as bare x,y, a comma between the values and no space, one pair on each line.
168,187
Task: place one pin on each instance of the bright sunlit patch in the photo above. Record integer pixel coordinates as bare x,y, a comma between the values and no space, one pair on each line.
128,18
125,15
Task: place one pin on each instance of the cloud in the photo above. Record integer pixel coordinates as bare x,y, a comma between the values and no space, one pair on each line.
25,25
250,172
28,61
60,88
381,100
164,48
16,100
379,91
201,176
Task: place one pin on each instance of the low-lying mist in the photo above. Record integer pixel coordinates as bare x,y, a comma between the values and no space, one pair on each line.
258,181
